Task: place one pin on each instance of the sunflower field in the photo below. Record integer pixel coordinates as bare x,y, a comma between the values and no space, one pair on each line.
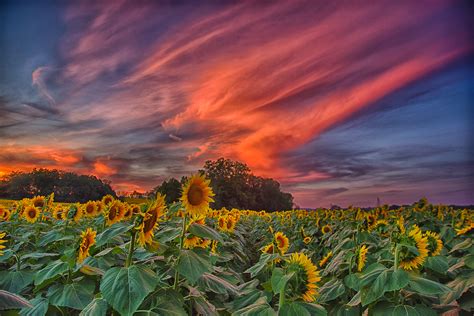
109,257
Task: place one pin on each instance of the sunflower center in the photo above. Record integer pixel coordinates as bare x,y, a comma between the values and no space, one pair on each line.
195,195
150,222
32,213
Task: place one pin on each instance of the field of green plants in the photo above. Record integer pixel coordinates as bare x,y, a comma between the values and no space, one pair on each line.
114,258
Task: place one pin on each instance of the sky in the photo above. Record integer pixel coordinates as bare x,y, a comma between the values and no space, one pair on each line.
341,102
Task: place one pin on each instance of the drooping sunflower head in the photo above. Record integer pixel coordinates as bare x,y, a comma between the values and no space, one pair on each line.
107,199
31,213
382,227
303,284
4,214
361,257
269,249
325,259
2,242
87,240
401,224
282,242
78,213
38,201
197,194
326,229
410,260
307,240
230,223
99,207
435,244
90,209
128,212
465,229
150,220
222,223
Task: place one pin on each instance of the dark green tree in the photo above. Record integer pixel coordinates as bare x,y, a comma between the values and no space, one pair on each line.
234,185
67,186
171,188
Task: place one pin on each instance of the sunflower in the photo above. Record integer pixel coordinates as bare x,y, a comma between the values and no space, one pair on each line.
307,240
136,209
107,199
190,242
115,213
401,224
435,245
307,275
90,209
230,225
99,207
222,223
78,213
465,229
214,244
88,239
197,194
4,214
31,213
58,213
150,220
326,229
381,226
2,241
127,215
38,201
362,257
325,259
270,248
282,242
409,260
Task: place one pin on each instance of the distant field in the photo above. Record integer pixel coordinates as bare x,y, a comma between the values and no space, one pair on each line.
7,202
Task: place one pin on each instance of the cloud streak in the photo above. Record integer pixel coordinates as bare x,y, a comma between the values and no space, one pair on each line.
154,90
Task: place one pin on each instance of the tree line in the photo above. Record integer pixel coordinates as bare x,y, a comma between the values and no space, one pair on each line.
233,183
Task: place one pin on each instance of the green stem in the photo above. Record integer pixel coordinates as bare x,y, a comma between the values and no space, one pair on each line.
281,300
131,249
18,262
397,257
181,242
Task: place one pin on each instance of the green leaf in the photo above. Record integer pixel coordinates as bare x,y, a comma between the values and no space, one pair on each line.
352,282
375,290
396,280
126,288
193,264
293,309
167,234
112,232
218,285
52,271
279,279
458,286
10,300
314,309
387,309
427,287
355,300
39,307
259,307
97,307
169,302
74,295
15,281
331,290
371,273
438,264
205,232
469,261
262,263
38,255
462,245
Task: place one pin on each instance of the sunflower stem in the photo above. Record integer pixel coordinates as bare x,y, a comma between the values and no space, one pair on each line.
181,243
131,249
281,300
397,254
18,262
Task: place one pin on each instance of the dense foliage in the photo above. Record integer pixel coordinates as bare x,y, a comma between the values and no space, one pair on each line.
107,256
66,186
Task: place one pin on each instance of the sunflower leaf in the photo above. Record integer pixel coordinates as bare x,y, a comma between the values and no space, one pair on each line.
205,232
193,264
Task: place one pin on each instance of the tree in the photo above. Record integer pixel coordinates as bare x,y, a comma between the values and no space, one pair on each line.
67,186
171,188
236,187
